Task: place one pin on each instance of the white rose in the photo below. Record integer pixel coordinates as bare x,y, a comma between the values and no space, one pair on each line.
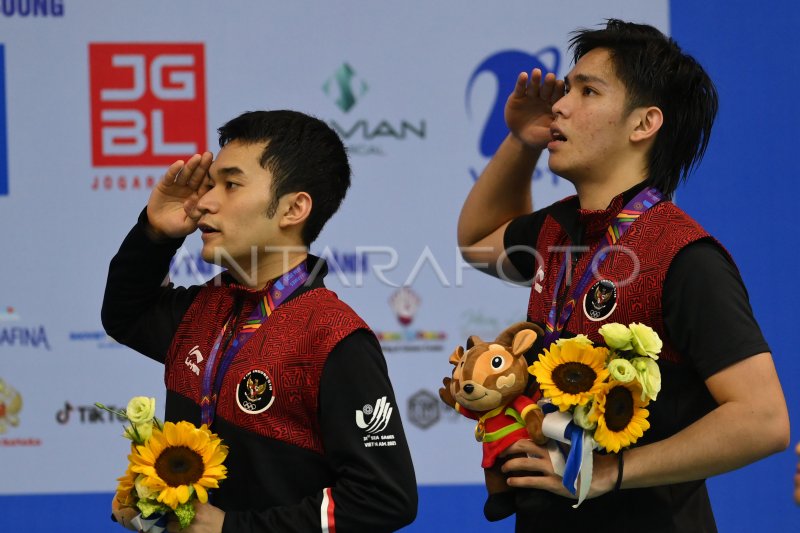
649,376
645,341
141,409
585,416
578,339
617,336
621,370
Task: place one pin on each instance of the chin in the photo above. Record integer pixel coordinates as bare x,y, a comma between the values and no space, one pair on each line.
210,255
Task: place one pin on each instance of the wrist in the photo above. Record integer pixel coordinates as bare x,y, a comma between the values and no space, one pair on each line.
606,471
154,234
526,148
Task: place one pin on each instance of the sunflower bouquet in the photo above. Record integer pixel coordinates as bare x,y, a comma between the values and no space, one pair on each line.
170,465
598,395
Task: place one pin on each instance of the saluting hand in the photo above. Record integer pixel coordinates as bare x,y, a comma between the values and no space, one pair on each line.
172,207
528,111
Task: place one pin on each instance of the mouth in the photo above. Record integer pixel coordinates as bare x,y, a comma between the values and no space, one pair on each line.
468,399
556,138
205,229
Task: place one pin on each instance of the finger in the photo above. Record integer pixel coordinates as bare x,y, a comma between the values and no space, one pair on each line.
548,483
527,464
523,446
535,83
521,85
172,173
558,91
546,91
185,174
199,173
191,210
173,525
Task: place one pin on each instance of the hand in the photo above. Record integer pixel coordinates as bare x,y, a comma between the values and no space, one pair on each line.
123,514
444,393
536,460
528,110
207,519
172,207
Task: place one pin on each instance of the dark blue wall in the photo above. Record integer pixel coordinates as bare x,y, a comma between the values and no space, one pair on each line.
746,193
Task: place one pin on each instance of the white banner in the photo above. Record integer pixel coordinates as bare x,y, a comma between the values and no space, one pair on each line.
100,96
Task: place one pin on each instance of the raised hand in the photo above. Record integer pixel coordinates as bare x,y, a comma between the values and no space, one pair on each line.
528,111
171,209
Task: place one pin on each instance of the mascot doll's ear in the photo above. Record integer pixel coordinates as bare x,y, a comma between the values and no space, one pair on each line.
523,341
473,340
455,357
506,337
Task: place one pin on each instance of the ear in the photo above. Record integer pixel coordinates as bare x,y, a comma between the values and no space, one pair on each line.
473,340
647,121
506,337
294,208
455,357
523,341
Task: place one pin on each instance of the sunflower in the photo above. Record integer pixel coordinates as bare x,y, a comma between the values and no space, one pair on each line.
124,494
180,458
623,417
570,373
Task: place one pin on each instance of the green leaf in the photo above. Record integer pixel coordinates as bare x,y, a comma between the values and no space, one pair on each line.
185,514
148,507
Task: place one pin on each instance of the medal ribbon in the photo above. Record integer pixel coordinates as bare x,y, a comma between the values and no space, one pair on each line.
277,293
629,214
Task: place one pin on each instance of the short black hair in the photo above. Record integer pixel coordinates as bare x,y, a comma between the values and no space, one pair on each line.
656,72
303,154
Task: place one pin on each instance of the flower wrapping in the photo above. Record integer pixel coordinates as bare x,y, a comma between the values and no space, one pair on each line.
595,397
171,465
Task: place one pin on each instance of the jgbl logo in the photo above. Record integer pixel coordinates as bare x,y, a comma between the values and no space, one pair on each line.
3,140
148,103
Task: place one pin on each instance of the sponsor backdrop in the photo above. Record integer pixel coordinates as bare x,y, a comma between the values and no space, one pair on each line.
97,97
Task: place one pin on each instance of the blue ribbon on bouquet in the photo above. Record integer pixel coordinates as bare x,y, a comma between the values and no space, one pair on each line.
155,523
559,427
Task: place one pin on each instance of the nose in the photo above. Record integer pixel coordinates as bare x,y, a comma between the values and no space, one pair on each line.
468,388
208,203
561,105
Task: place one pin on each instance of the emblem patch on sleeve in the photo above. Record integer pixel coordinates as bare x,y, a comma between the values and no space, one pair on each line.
374,419
254,393
600,300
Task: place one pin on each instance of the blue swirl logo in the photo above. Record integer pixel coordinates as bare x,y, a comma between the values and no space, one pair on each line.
505,66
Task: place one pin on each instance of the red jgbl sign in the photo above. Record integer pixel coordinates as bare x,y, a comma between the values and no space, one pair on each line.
148,103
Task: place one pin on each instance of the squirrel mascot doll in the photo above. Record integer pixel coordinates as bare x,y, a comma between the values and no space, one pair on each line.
488,384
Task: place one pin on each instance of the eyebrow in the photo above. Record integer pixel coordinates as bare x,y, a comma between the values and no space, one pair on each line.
227,172
586,78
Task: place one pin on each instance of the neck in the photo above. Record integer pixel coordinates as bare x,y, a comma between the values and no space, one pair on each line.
269,267
597,196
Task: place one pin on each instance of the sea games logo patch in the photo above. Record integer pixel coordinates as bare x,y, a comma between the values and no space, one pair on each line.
148,105
374,419
255,392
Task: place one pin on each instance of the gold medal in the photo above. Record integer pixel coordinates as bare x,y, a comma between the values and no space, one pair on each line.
480,431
